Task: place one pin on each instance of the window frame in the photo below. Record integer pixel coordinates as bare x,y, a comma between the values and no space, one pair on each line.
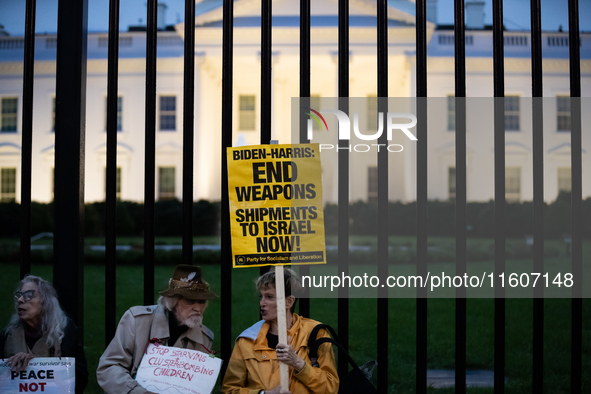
451,175
118,181
3,194
512,112
373,121
563,113
372,184
513,196
564,171
53,108
167,112
9,114
451,112
166,194
119,113
240,122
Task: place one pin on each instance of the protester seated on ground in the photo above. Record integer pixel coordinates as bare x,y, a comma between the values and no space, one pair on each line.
176,321
254,365
40,328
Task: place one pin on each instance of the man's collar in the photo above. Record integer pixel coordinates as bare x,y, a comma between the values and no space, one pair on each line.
160,323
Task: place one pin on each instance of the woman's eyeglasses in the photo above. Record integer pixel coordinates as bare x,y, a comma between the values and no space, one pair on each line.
27,295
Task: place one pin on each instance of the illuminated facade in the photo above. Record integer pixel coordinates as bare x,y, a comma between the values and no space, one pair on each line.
285,85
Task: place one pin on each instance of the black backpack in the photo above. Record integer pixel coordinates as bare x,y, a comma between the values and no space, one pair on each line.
355,381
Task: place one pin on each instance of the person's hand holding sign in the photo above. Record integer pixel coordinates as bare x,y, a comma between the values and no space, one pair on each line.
287,355
20,361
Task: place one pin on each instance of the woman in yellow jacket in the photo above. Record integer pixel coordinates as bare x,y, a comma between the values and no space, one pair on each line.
254,365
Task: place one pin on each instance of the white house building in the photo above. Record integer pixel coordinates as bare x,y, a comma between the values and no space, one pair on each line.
285,86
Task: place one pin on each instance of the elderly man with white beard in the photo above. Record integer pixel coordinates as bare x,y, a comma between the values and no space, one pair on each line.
176,321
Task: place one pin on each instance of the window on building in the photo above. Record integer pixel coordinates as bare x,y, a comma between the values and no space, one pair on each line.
451,183
564,179
117,183
513,184
372,113
8,184
512,113
167,113
119,113
166,183
563,113
451,112
53,114
372,184
315,101
9,111
246,112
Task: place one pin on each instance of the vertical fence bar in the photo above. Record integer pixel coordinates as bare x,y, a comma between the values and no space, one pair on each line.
460,92
266,75
111,173
70,120
422,210
266,72
343,188
538,188
150,153
577,199
382,309
304,65
499,168
226,270
304,307
27,137
188,130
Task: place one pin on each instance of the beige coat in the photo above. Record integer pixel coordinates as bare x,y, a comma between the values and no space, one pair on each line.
15,343
120,361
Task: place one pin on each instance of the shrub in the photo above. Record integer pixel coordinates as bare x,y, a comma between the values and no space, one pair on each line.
168,218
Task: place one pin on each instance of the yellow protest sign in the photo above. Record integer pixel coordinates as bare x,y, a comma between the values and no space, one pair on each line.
276,215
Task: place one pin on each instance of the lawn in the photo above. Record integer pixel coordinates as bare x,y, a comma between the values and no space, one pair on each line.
363,320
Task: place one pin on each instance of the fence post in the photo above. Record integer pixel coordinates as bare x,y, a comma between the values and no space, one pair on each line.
27,139
70,116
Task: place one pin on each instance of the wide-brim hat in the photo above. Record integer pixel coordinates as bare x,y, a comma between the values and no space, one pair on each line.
187,281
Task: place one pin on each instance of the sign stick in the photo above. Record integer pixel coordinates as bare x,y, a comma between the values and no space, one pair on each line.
281,322
281,319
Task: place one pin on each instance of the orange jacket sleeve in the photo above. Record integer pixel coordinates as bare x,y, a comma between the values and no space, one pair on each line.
323,379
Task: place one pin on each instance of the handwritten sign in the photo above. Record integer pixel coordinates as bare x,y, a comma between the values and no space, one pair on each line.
174,370
276,214
51,375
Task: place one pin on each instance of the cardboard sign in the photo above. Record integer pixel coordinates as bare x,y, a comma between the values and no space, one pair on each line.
276,214
175,370
51,375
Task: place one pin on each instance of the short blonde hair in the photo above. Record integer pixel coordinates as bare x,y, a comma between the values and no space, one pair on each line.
291,280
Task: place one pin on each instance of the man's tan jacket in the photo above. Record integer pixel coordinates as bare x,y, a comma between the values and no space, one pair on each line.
140,324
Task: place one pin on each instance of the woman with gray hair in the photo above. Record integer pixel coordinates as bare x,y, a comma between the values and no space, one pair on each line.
39,328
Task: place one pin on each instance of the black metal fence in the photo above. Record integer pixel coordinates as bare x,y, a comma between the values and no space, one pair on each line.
70,155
